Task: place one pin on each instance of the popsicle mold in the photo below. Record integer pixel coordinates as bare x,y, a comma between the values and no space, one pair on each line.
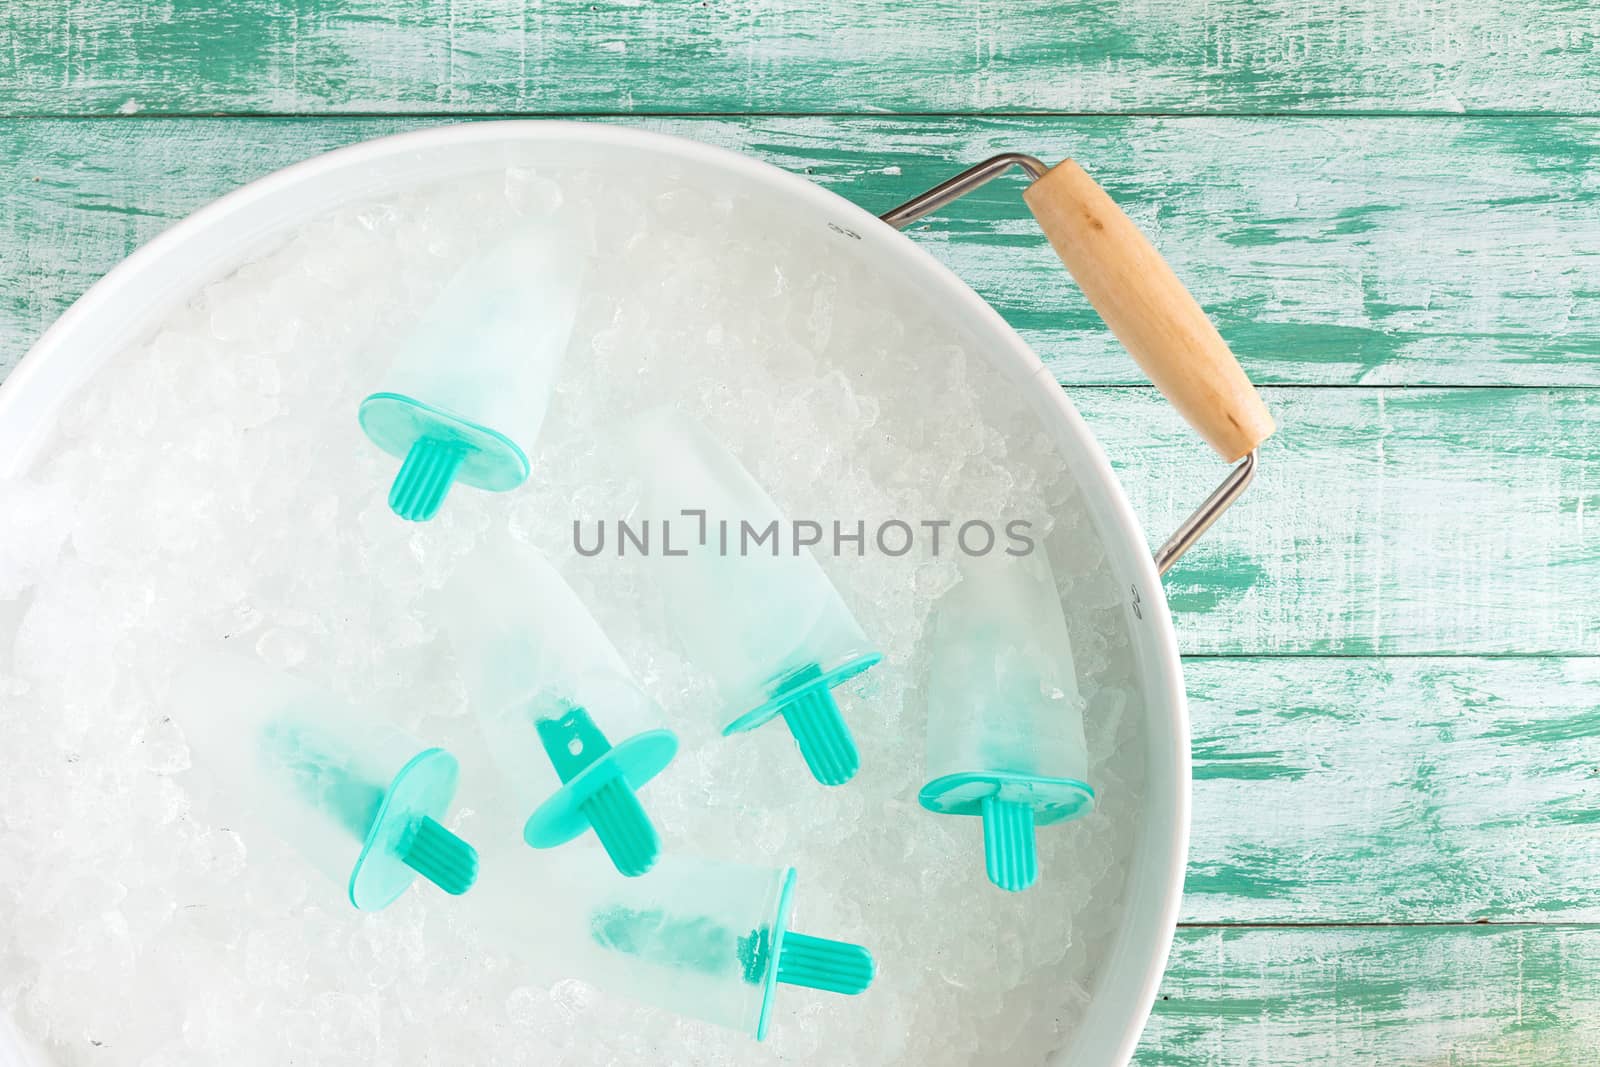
705,939
552,692
467,391
1005,719
363,802
765,624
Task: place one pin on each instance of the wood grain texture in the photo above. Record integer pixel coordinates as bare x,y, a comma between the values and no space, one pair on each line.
496,56
1361,760
1404,251
1466,996
1381,521
1147,308
1394,790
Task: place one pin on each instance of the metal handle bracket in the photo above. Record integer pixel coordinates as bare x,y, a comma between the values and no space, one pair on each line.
953,189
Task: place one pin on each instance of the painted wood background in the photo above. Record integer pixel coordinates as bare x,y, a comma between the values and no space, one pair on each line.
1392,209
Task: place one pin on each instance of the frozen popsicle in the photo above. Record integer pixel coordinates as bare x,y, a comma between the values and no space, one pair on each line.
569,727
763,621
363,802
1005,721
467,391
705,939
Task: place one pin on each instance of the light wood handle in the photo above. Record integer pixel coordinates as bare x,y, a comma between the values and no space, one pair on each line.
1149,310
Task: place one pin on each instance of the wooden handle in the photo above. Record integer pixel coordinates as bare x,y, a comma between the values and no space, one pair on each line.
1149,310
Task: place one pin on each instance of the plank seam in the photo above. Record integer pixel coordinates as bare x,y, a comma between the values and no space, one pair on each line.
874,116
1520,924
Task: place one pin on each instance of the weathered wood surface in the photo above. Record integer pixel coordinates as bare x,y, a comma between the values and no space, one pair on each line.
1227,56
1463,996
1363,754
1328,251
1382,521
1395,790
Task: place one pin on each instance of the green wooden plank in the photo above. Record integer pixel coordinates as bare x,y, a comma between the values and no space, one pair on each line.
1417,996
307,56
1329,251
1394,790
1382,521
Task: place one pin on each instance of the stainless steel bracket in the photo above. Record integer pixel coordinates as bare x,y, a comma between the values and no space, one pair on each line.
953,189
